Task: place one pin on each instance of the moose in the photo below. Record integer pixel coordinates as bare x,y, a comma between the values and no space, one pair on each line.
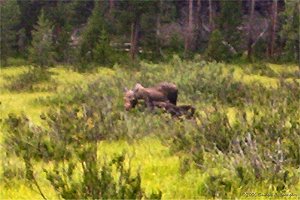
163,95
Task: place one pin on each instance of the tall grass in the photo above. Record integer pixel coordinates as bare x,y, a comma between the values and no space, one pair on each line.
244,137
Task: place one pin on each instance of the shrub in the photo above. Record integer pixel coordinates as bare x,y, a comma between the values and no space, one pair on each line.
261,69
41,53
262,150
216,50
28,81
103,52
71,142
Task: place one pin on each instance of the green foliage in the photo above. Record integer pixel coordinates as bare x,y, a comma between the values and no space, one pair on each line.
229,20
61,16
290,31
97,182
28,81
224,42
66,145
260,49
152,18
41,51
261,69
258,150
24,138
218,186
103,52
216,50
9,21
72,136
176,44
243,137
91,35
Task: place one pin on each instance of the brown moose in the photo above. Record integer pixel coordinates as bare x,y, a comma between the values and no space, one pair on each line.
163,92
163,96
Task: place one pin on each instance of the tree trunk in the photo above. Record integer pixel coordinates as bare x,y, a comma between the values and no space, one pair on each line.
111,6
190,29
273,28
211,21
250,39
158,26
135,27
197,24
198,15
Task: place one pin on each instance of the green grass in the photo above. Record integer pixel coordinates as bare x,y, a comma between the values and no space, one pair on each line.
159,169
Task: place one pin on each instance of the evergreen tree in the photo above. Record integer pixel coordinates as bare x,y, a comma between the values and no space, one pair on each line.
290,32
216,49
133,14
9,21
229,20
41,51
61,16
250,29
91,33
150,29
103,52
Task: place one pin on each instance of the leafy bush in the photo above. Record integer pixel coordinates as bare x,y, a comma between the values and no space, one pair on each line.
254,147
261,69
103,52
42,51
262,149
71,139
71,142
216,50
28,81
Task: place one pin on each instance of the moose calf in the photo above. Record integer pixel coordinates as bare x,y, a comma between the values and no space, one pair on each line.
176,111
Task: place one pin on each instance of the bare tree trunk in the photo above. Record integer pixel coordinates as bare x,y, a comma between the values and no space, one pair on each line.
198,15
273,28
189,35
135,27
211,21
111,6
158,26
250,39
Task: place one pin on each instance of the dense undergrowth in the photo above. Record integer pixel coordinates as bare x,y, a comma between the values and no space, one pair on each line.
254,149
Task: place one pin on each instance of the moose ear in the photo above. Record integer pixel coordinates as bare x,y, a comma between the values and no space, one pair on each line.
137,86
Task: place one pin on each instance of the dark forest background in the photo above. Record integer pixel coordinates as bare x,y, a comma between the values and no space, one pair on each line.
64,131
106,32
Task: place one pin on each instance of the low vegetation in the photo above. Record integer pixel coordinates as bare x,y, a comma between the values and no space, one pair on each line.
244,137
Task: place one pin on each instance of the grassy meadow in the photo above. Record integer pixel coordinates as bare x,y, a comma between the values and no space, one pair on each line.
181,158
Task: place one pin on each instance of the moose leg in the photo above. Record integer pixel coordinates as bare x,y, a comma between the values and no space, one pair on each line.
187,110
149,103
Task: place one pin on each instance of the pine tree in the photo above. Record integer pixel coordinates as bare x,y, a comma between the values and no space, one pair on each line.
92,33
134,13
8,25
229,20
61,16
189,37
103,52
211,15
290,32
273,25
216,49
41,50
250,29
